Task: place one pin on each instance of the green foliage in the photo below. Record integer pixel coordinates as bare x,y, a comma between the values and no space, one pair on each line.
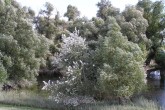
154,13
106,9
51,28
114,68
160,58
49,8
47,25
7,2
72,13
108,58
3,73
134,26
87,28
22,49
121,72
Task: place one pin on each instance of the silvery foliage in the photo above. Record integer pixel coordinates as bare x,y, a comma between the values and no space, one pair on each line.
68,84
72,50
75,101
47,85
73,74
70,59
65,91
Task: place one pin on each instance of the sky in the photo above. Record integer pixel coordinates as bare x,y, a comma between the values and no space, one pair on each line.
87,8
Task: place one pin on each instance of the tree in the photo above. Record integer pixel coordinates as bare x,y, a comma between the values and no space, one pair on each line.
52,27
113,68
45,25
72,50
121,72
70,59
86,28
72,13
134,26
106,9
154,13
22,50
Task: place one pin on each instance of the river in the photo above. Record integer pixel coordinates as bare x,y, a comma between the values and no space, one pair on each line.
156,91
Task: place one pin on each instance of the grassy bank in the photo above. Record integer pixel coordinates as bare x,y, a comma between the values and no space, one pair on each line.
11,107
139,104
26,100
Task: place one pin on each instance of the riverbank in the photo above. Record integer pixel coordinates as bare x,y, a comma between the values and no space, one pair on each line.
25,100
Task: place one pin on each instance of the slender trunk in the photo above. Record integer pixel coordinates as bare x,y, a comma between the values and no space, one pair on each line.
162,71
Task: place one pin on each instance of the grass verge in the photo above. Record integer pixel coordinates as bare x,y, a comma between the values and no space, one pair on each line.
11,107
26,100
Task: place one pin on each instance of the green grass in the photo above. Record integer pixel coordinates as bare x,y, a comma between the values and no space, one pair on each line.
139,104
26,100
11,107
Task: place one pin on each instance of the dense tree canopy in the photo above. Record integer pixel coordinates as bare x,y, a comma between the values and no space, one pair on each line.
113,67
106,9
103,55
122,63
72,13
154,13
22,49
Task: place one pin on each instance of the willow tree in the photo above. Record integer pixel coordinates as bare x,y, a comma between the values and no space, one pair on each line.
134,26
106,9
154,13
44,24
72,13
121,72
22,50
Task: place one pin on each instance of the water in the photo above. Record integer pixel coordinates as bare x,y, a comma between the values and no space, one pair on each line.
40,80
156,91
154,75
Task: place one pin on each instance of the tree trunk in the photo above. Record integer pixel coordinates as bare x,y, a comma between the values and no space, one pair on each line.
162,73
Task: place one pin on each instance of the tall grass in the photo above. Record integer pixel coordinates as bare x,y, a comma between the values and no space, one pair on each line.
11,107
27,98
139,104
31,99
